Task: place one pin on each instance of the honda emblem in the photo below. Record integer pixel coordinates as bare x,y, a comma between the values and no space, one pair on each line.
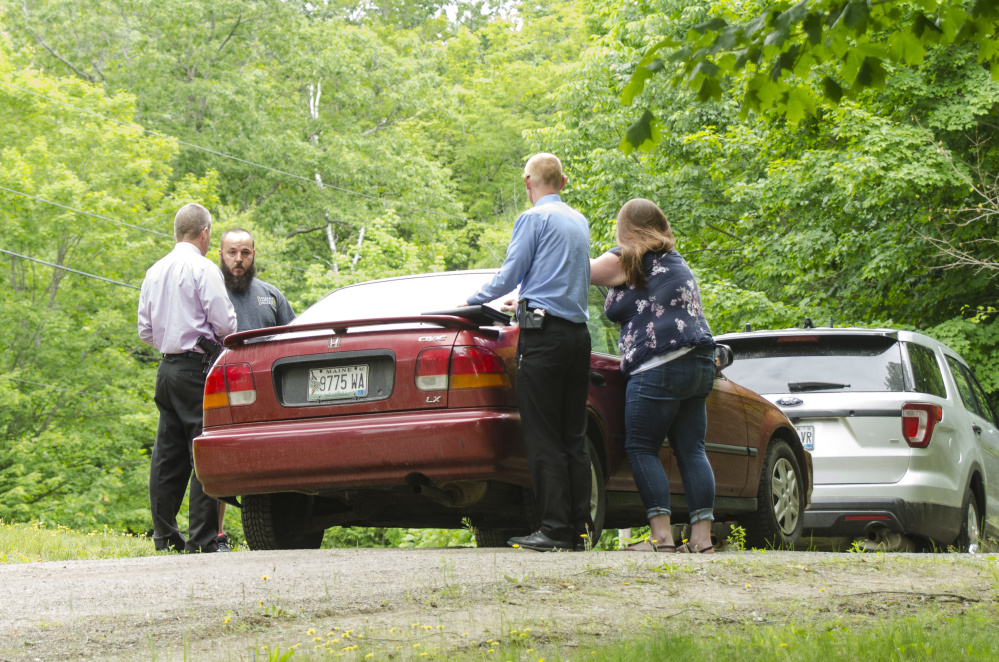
334,343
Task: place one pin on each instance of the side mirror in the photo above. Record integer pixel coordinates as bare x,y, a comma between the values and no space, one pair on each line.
723,357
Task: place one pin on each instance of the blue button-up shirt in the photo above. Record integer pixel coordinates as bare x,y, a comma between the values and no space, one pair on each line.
549,257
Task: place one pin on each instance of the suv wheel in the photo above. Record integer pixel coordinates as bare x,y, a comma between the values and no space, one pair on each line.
970,538
269,522
778,521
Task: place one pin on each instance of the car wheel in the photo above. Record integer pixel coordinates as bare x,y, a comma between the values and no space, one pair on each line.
970,538
492,537
598,495
488,537
777,522
269,522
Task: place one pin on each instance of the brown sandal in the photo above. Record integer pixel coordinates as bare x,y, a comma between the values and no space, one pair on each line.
653,545
685,548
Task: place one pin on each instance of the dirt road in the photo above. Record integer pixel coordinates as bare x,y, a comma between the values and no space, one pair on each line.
405,602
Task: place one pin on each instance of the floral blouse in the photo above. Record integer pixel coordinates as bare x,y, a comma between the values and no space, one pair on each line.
661,318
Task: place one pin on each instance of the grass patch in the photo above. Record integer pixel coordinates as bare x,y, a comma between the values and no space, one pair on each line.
966,633
29,543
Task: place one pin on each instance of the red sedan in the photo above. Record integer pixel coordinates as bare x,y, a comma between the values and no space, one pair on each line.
374,409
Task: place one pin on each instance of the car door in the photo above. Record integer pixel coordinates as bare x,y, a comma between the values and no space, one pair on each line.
984,432
606,392
725,442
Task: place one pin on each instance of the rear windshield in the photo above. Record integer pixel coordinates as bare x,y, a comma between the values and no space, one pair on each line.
828,364
399,297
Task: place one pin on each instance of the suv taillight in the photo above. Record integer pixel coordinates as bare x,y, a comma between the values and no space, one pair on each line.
918,420
439,368
230,385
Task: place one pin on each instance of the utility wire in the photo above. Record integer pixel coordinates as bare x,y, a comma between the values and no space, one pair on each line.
57,266
229,156
114,220
59,388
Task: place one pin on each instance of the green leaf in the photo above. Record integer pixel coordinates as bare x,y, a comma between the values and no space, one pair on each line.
871,73
925,29
643,134
832,90
647,67
800,104
776,37
711,25
855,16
710,89
705,68
812,26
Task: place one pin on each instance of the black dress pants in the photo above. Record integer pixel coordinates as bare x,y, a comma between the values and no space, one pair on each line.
180,386
553,367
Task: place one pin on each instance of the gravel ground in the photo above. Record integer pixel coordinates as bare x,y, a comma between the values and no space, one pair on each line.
399,603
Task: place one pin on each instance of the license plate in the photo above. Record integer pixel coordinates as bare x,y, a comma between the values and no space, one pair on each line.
348,381
807,434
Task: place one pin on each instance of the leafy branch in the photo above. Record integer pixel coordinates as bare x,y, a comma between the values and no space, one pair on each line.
773,53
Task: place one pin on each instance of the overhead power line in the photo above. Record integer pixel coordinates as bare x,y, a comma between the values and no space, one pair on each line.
278,171
114,220
59,266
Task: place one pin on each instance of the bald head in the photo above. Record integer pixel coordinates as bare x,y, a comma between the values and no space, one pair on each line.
190,221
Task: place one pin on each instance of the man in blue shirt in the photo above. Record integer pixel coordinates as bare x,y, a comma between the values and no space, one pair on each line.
548,258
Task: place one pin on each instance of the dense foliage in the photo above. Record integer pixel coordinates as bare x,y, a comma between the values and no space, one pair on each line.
366,140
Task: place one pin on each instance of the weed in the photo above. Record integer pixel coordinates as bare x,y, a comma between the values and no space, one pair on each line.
737,538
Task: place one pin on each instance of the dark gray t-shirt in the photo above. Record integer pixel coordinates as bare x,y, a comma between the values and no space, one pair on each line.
260,306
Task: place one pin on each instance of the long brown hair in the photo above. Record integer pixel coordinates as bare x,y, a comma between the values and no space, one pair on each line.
641,227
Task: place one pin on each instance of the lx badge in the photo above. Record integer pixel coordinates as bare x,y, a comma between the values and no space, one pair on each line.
434,400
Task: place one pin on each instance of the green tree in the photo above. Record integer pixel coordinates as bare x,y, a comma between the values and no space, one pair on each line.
77,418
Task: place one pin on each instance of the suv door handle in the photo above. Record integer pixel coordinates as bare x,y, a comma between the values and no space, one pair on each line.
977,429
597,379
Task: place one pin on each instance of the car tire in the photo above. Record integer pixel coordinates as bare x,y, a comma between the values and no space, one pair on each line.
598,494
778,521
269,522
493,537
969,540
488,537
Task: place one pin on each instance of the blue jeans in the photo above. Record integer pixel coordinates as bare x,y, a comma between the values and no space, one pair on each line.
670,400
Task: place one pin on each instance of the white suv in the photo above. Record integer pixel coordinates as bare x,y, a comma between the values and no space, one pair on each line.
902,436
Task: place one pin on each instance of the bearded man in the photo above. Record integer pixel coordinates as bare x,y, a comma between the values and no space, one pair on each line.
258,304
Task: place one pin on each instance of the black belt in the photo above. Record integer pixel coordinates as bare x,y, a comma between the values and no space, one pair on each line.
556,318
194,356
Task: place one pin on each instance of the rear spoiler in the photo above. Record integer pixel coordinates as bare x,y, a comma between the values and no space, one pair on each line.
456,318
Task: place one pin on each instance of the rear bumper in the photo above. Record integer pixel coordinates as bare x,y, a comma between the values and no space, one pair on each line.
328,455
854,517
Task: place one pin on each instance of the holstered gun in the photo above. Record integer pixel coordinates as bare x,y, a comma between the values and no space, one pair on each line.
211,349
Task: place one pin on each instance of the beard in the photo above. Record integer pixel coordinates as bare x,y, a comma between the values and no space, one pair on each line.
238,284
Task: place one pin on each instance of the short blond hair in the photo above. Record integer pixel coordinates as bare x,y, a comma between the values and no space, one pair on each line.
546,169
190,221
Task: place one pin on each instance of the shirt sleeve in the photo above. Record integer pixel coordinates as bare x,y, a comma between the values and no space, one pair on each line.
519,256
215,300
285,314
145,324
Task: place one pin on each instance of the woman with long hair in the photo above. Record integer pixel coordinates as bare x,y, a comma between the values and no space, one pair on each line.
667,356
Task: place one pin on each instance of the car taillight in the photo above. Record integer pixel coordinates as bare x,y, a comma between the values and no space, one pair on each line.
918,420
230,385
241,388
431,368
215,393
477,367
